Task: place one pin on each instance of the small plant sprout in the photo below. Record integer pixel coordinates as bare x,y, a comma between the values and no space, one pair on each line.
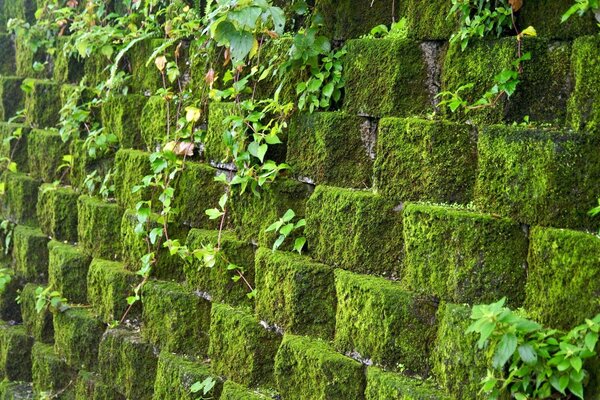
285,226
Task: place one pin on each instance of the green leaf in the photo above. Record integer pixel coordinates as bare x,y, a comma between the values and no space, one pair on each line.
278,242
299,244
576,388
505,350
214,213
527,354
289,215
576,363
287,229
591,340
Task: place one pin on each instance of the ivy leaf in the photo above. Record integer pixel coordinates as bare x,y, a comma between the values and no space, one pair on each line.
278,242
213,213
289,215
591,339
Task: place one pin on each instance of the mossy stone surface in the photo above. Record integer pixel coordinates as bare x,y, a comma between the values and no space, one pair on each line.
295,293
38,325
383,385
240,348
67,271
458,364
86,163
430,20
331,148
15,391
68,68
153,124
128,364
57,212
426,160
215,148
235,391
538,177
583,110
564,270
175,319
355,230
108,286
15,353
146,78
7,55
89,386
382,322
51,373
30,253
98,227
302,363
121,116
394,85
218,281
10,310
545,16
176,374
14,142
12,98
45,151
463,256
41,104
77,334
96,69
131,167
20,198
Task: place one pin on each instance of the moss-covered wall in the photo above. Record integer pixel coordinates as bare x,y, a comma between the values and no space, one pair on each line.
414,214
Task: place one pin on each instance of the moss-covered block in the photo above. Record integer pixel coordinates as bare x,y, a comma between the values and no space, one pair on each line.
39,325
381,321
12,98
146,78
128,364
240,347
430,20
176,374
14,143
89,386
308,368
23,9
218,281
10,309
26,56
121,116
20,198
7,55
295,293
42,105
252,214
85,163
584,105
108,286
96,69
196,191
68,68
545,16
538,177
427,160
67,271
215,146
16,391
131,167
155,123
50,373
464,256
15,353
562,263
45,151
175,318
458,364
77,334
356,230
235,391
383,385
395,85
30,253
331,148
57,212
98,227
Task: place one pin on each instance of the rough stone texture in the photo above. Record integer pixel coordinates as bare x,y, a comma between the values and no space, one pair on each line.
11,96
20,198
37,325
57,212
131,167
121,116
15,353
429,20
50,373
90,387
545,16
153,124
45,151
77,334
584,103
41,105
99,227
109,284
7,55
13,143
215,148
67,271
234,391
10,310
389,386
15,391
30,253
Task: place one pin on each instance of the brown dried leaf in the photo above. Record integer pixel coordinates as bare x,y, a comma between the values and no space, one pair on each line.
210,77
516,4
161,63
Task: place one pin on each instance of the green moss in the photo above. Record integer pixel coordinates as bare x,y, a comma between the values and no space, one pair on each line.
392,91
7,55
175,376
15,391
45,150
355,230
30,253
240,348
545,16
428,21
10,310
108,286
584,105
26,57
234,391
331,148
420,159
11,97
67,68
295,293
38,325
175,319
57,212
389,386
14,143
302,363
23,9
384,323
90,387
128,364
77,334
50,373
563,275
84,163
153,124
538,177
42,104
145,78
67,271
463,256
99,227
96,69
251,214
458,364
131,167
20,198
215,148
218,281
121,116
196,191
15,353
